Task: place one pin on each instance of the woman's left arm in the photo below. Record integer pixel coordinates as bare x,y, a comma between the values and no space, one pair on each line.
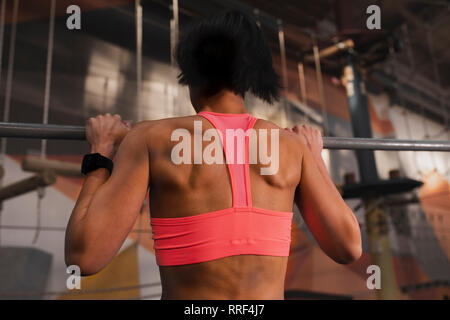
107,206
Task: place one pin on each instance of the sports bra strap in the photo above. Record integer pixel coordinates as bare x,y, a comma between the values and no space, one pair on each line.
234,131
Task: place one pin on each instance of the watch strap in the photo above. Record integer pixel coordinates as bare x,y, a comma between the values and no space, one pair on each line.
94,161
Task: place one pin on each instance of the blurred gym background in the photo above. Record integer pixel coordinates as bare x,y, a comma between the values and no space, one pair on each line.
119,61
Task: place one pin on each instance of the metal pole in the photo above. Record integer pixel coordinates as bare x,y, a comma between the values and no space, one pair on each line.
437,78
60,132
320,86
46,109
376,216
9,76
400,93
61,168
283,55
172,92
301,78
174,31
385,144
40,131
2,31
3,141
48,74
360,118
43,179
138,58
282,42
332,50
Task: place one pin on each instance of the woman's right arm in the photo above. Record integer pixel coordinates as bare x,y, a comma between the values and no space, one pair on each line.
330,220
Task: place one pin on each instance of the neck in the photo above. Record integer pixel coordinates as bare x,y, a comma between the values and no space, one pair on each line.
222,102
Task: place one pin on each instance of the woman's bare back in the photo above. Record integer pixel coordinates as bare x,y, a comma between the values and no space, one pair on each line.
186,190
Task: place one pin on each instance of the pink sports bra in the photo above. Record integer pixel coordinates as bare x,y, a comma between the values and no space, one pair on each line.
241,229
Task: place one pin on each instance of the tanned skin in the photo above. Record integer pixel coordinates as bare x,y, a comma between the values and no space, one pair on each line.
108,206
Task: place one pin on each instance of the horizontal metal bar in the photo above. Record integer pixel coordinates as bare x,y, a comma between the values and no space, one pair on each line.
385,144
51,131
41,131
329,51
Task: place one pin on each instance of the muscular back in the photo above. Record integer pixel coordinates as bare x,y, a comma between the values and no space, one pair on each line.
191,189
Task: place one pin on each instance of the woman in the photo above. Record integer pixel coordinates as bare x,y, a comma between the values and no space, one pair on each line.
221,228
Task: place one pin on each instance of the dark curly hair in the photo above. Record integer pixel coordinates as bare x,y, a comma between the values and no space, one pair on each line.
227,50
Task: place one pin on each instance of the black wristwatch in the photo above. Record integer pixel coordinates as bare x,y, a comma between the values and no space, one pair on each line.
93,161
